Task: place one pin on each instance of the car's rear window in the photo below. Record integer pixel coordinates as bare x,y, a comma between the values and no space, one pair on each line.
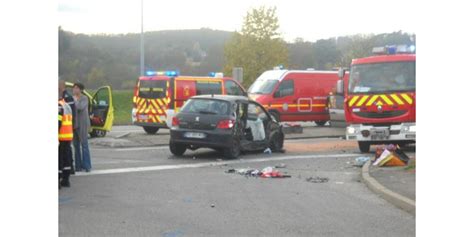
206,106
150,89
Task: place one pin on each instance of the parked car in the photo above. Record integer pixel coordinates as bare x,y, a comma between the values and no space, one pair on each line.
229,124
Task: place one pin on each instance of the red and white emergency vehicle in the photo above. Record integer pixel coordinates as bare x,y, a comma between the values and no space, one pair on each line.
379,97
295,95
160,95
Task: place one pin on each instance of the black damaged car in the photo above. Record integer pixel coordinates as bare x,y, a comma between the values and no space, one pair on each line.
229,124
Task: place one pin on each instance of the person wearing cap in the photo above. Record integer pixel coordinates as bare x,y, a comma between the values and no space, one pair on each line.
81,129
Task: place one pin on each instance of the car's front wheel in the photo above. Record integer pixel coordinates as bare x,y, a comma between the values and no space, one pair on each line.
234,150
276,144
177,149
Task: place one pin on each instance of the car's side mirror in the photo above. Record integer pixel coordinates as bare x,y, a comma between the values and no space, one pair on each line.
340,87
341,73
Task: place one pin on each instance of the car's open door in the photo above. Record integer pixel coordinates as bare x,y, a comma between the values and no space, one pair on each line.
102,111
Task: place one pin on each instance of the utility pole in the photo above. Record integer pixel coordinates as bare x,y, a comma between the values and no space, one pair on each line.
142,50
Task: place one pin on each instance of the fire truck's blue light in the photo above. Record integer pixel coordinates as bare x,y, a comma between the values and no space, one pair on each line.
392,49
171,73
150,73
212,74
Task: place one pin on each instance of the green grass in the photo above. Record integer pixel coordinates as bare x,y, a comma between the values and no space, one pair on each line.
123,106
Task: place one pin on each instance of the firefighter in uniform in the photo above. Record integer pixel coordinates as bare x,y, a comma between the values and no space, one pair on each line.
65,137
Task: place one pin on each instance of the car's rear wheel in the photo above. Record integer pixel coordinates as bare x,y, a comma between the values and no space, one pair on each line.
151,130
234,150
364,147
276,144
177,149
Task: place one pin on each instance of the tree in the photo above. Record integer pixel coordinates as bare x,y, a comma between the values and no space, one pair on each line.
258,47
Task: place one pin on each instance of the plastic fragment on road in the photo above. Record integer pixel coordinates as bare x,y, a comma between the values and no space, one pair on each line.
279,166
267,151
360,161
317,179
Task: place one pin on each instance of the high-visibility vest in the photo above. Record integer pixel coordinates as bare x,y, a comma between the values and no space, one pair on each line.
65,131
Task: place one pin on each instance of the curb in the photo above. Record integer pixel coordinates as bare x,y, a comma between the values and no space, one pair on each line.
394,198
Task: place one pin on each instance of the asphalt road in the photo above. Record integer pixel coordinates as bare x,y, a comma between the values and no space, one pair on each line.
148,192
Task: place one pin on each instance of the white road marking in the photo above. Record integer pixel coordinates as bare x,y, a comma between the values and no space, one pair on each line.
142,148
206,164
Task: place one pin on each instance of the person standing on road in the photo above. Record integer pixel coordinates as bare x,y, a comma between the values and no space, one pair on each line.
81,129
65,136
70,101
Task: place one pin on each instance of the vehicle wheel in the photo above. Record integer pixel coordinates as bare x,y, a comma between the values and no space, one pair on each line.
321,123
151,130
276,144
234,151
177,149
275,115
364,147
97,133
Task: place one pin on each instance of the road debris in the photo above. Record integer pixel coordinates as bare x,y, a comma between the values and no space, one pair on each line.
268,172
317,179
267,151
360,161
279,166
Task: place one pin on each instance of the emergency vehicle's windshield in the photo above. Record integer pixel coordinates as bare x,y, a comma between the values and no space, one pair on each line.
262,86
382,77
152,89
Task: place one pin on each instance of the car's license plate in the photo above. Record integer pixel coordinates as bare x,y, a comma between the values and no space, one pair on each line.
194,135
143,117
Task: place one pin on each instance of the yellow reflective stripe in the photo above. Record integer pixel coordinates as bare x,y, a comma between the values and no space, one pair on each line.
353,100
372,100
397,99
319,105
159,102
158,118
60,117
362,100
153,119
66,123
407,98
386,99
156,106
70,135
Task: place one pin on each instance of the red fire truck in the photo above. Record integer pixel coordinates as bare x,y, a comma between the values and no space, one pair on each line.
159,95
295,95
379,97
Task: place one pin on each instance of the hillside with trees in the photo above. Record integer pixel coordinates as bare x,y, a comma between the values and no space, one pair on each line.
98,60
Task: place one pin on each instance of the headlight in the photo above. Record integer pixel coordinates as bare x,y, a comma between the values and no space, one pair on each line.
412,128
351,130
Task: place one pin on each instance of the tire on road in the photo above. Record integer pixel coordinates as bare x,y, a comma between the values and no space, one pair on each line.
98,133
233,151
320,123
364,147
276,143
177,149
151,130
